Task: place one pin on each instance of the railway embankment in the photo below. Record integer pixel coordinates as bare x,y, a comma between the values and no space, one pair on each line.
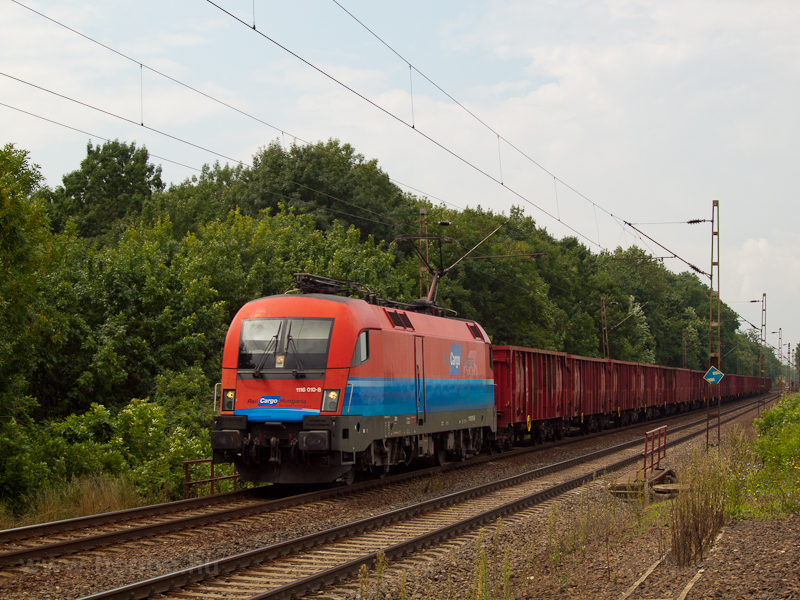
587,545
582,544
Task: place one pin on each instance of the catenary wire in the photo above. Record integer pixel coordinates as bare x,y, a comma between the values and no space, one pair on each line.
316,206
116,116
500,137
401,121
283,132
156,71
691,266
94,135
426,194
392,224
311,204
135,61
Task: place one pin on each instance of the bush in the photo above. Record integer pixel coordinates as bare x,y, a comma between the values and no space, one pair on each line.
142,447
751,478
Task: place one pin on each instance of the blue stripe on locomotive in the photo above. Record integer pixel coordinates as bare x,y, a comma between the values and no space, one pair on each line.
277,415
378,396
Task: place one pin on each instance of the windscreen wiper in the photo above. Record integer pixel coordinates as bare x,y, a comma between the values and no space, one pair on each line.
270,349
290,344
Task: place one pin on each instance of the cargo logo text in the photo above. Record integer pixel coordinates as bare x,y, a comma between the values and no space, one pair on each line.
269,400
455,359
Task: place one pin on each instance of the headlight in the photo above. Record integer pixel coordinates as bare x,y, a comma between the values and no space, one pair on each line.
228,399
330,400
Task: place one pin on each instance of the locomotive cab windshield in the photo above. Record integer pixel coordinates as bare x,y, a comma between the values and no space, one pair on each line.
274,347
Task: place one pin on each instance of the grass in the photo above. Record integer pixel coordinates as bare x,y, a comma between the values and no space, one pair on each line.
748,477
93,494
699,511
83,496
751,475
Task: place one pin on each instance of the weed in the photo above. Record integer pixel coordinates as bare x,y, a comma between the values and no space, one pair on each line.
451,577
553,541
87,495
495,557
698,512
506,573
380,566
363,582
480,588
403,586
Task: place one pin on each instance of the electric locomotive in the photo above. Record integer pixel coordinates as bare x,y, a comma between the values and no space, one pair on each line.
317,386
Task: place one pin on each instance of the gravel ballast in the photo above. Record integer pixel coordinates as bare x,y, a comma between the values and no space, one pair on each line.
764,554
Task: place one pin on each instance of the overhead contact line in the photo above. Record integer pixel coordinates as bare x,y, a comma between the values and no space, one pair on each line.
94,135
183,141
402,122
283,132
157,72
501,137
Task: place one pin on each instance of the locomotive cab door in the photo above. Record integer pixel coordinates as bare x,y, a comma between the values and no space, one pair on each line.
419,378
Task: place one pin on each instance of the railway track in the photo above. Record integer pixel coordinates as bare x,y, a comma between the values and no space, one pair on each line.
296,567
28,545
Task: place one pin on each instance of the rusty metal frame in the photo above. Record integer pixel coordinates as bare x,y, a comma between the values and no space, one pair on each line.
656,439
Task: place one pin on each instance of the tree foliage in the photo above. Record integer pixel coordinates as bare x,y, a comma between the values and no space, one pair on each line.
109,189
116,294
24,250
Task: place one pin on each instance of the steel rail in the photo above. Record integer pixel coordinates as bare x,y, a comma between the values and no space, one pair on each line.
54,549
170,582
40,529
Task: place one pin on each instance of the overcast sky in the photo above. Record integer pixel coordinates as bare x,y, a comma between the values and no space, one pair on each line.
650,110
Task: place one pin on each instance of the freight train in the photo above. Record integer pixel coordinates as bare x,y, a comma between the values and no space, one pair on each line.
320,385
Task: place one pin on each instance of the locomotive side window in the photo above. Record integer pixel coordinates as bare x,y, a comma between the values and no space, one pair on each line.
476,333
361,353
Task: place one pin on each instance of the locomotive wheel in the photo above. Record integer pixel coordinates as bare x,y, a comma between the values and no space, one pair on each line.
440,453
536,434
349,477
547,431
406,456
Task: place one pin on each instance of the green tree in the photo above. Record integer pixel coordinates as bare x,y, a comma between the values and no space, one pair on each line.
150,313
24,247
213,194
109,189
330,181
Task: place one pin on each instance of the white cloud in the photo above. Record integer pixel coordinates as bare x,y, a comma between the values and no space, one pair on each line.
649,108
